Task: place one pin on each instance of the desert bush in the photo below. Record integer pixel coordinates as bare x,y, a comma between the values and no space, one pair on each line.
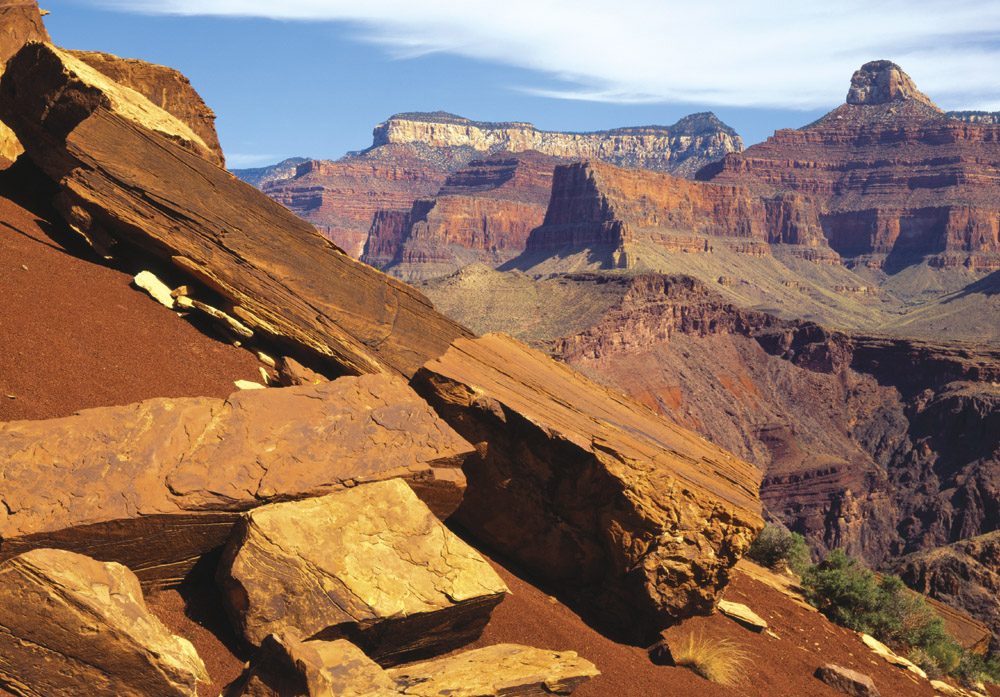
719,660
974,668
776,547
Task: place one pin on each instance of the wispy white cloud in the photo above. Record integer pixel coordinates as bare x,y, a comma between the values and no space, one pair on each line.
778,53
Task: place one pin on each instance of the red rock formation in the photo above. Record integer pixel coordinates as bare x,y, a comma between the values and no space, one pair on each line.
895,179
166,88
483,213
20,22
341,198
595,205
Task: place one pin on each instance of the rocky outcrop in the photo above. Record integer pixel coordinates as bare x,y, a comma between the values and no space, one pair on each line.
590,490
371,564
965,574
157,484
483,214
610,212
341,198
896,181
70,625
275,274
20,22
682,148
166,88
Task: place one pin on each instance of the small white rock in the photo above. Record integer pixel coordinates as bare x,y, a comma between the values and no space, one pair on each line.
159,290
249,385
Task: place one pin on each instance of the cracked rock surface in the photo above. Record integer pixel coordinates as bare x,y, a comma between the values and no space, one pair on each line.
372,564
70,625
155,485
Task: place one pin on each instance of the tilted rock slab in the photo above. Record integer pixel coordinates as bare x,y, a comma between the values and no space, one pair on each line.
371,564
590,490
496,671
848,681
131,173
70,625
157,484
286,666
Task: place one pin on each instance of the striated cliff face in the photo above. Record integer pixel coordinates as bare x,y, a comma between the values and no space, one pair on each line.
896,180
341,198
483,213
166,88
682,148
610,210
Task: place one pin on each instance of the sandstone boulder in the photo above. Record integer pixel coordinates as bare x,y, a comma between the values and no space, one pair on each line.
136,174
371,564
496,671
890,656
155,485
70,625
287,666
848,681
590,490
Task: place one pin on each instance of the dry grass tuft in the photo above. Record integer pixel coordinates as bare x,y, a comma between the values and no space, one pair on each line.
720,660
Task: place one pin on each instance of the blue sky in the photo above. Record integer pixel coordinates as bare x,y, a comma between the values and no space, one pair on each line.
312,77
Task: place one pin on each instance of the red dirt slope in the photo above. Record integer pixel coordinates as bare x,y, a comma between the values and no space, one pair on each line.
74,334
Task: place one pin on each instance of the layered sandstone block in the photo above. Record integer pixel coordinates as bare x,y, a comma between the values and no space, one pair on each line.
70,625
155,485
589,489
371,564
166,88
123,179
287,666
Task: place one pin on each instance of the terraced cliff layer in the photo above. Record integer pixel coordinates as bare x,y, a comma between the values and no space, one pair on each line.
896,180
681,148
483,213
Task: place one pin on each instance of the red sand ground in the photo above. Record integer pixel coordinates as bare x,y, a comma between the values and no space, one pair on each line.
74,334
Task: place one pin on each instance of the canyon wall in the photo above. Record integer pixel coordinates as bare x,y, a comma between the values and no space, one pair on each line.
483,213
896,180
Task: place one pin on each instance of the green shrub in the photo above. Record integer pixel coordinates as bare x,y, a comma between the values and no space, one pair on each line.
855,597
776,547
975,668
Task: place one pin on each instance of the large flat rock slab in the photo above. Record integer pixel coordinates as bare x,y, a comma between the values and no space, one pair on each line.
496,671
371,564
132,174
287,666
156,485
590,490
70,625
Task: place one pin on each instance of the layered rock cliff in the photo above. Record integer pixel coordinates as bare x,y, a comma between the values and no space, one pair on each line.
610,211
483,213
681,148
341,198
896,180
20,22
